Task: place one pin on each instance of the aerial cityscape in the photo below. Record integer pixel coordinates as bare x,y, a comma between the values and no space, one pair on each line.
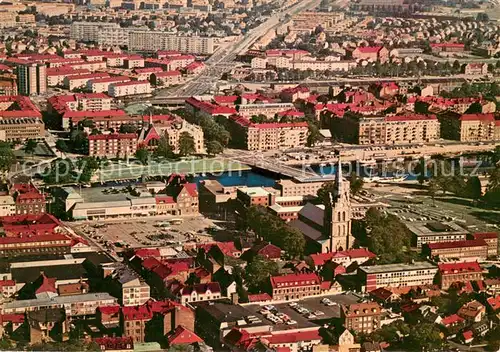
250,175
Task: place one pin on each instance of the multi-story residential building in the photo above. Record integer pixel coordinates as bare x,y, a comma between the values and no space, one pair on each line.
174,132
200,292
295,286
132,289
268,109
80,81
166,78
251,196
289,95
42,244
387,130
140,40
447,47
373,53
55,76
32,202
103,120
434,232
134,319
397,275
101,85
93,31
476,68
111,36
467,250
20,129
129,88
291,188
450,273
491,239
7,205
114,145
267,136
468,127
361,317
79,102
31,78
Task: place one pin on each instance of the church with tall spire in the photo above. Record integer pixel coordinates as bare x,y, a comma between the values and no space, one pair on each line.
327,227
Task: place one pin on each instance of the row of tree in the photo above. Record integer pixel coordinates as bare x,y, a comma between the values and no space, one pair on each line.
274,230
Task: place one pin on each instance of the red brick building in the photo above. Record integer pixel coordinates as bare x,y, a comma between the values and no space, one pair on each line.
467,250
295,286
491,239
373,53
114,145
449,273
362,317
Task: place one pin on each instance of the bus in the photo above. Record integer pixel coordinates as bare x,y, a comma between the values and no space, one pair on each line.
175,221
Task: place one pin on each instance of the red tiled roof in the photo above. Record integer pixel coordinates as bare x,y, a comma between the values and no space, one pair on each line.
214,287
111,136
164,199
183,336
191,188
92,114
485,235
109,310
447,45
225,99
457,244
452,319
111,79
130,83
292,337
148,70
259,297
468,335
136,313
167,73
463,267
13,318
478,117
295,280
494,302
414,117
147,252
115,343
47,285
6,283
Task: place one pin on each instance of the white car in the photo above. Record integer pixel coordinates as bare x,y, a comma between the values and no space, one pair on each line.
292,304
269,307
318,312
291,322
310,316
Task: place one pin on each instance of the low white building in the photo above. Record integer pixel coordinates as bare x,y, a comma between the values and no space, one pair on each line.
129,88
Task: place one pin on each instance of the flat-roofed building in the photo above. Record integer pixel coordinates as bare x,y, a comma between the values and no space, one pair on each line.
20,129
468,127
118,209
74,305
93,31
7,205
397,275
450,273
31,78
291,188
435,232
466,250
141,40
267,109
115,145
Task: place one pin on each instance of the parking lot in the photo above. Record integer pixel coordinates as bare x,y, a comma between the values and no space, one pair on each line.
147,232
314,305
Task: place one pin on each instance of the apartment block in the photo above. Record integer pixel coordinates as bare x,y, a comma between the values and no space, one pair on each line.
450,273
101,85
269,109
387,130
291,188
468,127
154,40
116,145
467,250
397,275
295,286
93,31
80,81
174,132
20,129
167,78
361,317
31,78
55,76
129,88
435,232
268,136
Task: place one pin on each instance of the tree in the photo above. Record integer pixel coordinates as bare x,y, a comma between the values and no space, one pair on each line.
258,272
142,154
128,128
475,108
357,183
62,146
7,157
313,136
186,144
294,243
424,337
29,146
473,188
421,169
214,148
164,148
432,189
